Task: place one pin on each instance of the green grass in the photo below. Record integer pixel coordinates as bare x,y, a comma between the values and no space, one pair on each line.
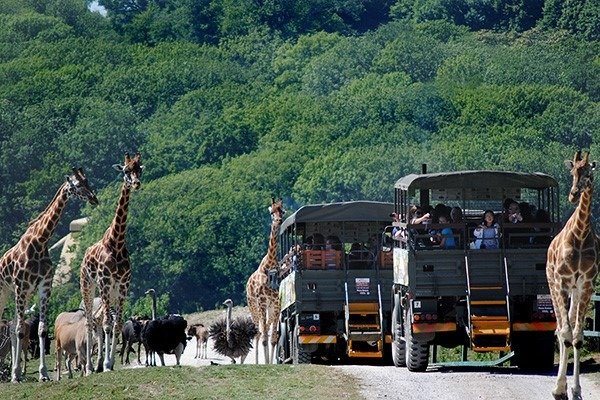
248,382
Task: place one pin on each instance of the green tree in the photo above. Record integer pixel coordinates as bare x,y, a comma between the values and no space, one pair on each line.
578,17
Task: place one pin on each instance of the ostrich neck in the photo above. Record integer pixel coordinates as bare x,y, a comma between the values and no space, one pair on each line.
153,307
228,322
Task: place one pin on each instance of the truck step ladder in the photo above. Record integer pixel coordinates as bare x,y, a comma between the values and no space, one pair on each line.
364,330
489,319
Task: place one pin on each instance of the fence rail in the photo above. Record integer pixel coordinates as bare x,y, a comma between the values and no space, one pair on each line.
595,331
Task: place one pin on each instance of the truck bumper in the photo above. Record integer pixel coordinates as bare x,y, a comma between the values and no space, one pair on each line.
533,326
434,327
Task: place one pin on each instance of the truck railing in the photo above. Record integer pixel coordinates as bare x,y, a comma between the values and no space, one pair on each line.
507,288
346,310
595,331
380,310
468,291
525,235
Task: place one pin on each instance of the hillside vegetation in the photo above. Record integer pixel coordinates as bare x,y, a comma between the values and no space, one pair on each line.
233,102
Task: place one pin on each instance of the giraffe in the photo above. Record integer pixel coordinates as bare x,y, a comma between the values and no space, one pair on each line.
105,266
263,301
27,266
571,269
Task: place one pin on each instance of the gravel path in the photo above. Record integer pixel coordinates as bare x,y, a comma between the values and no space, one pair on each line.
460,383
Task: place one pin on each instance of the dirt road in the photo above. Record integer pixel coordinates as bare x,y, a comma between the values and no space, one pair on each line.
439,383
480,383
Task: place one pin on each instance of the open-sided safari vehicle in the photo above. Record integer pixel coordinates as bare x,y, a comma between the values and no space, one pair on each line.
333,282
492,299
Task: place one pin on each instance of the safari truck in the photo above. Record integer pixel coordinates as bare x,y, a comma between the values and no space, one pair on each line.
493,299
332,280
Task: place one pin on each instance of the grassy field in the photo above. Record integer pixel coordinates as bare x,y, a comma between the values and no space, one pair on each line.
248,382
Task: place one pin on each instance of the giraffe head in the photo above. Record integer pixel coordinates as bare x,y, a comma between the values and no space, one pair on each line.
132,170
582,172
277,211
78,186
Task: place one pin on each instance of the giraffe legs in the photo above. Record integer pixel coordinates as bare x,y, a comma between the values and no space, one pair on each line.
560,301
272,327
18,334
118,324
44,294
87,290
107,325
259,318
578,310
570,333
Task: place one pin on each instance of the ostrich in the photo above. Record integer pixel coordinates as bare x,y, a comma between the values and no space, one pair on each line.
233,337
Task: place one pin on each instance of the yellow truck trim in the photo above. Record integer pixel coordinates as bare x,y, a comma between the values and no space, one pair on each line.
435,327
317,339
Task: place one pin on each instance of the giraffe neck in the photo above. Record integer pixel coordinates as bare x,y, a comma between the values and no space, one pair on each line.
115,234
45,224
270,259
580,220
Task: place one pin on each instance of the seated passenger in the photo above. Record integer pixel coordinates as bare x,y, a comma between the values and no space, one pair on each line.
487,232
513,213
333,243
456,215
357,256
527,211
543,234
445,236
318,242
416,216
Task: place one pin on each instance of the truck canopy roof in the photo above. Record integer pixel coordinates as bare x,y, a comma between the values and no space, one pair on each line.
476,179
338,212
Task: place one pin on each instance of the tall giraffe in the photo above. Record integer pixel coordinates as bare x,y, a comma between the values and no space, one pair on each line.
263,301
27,267
106,266
571,269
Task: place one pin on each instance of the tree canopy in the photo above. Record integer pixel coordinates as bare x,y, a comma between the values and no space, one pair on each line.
233,102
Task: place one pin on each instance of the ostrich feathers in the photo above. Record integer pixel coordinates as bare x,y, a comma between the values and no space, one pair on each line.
239,340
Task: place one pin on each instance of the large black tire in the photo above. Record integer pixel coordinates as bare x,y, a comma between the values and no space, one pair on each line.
398,345
417,353
304,357
534,351
299,356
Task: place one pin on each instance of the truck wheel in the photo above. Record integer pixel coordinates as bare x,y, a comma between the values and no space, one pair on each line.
299,356
304,357
398,345
417,353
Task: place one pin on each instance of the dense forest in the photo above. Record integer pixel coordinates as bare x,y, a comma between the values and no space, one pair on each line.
231,102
